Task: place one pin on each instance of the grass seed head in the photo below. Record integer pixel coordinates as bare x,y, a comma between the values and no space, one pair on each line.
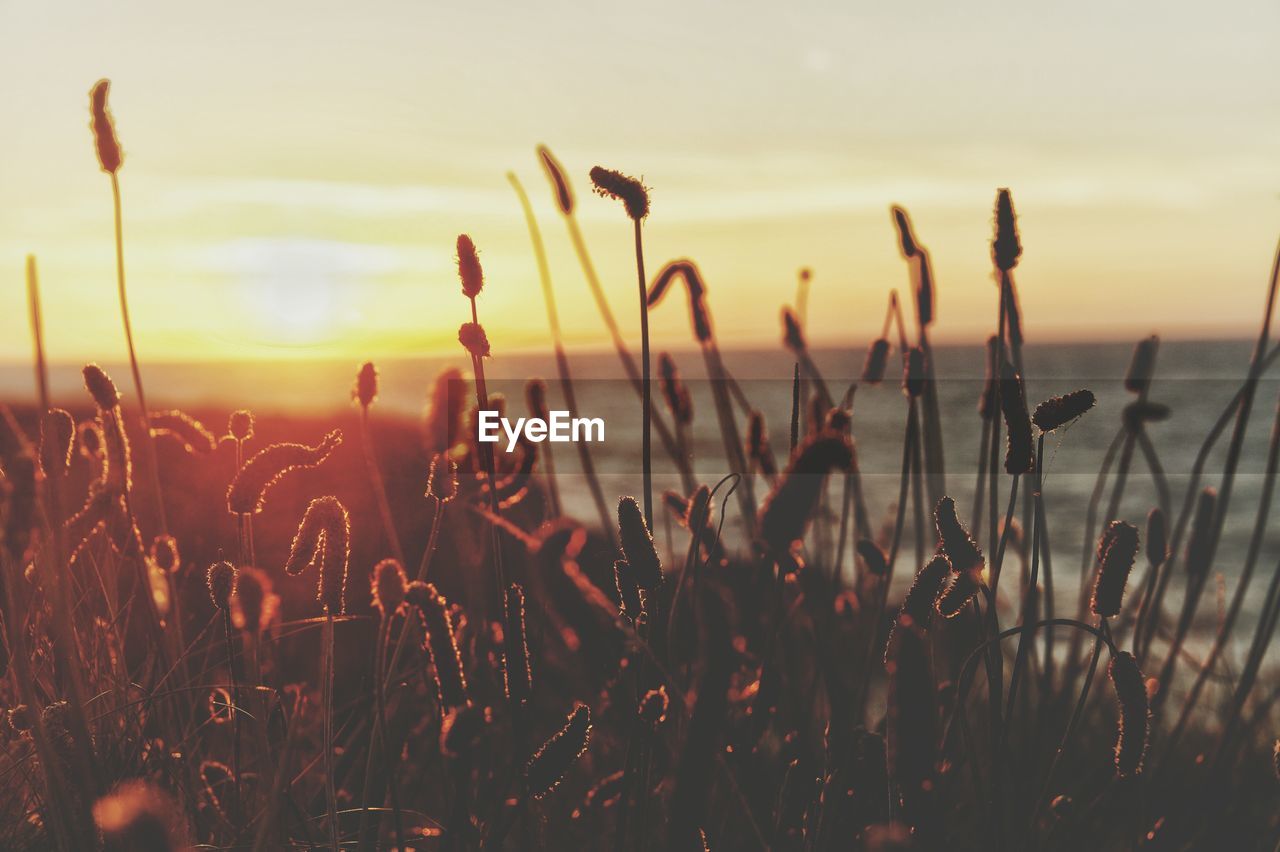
181,427
1135,717
165,554
221,580
57,434
248,491
100,387
637,545
1142,365
787,510
535,396
442,479
555,174
653,707
687,271
1118,547
104,129
389,586
1005,248
90,439
472,337
1019,456
323,540
877,362
441,644
549,764
366,386
1060,410
240,424
470,272
792,334
906,237
921,599
758,445
962,589
630,601
633,194
958,546
517,675
873,557
674,390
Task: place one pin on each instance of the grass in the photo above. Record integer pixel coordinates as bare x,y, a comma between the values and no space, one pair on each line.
258,682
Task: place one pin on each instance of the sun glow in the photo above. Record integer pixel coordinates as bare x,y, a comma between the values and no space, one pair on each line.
295,292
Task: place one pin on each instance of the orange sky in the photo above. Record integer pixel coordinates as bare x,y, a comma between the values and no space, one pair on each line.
295,174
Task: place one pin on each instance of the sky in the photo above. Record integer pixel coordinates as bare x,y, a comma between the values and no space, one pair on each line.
296,172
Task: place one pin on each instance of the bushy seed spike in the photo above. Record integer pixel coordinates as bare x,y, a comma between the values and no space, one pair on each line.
633,194
57,433
1060,410
389,586
957,545
473,338
470,273
248,491
221,581
1134,725
324,540
674,390
1119,547
100,387
104,129
787,510
517,675
548,766
637,545
1005,248
240,424
181,427
366,386
441,644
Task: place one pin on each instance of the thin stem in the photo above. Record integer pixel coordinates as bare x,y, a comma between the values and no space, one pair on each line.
148,439
326,688
619,344
229,631
1028,597
1071,723
1242,586
380,691
379,485
646,379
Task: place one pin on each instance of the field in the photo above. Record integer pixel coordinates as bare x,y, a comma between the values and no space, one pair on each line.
229,631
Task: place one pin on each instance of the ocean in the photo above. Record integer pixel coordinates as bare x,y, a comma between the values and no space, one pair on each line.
1194,379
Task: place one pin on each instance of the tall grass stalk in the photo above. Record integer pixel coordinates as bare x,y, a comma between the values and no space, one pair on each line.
562,360
568,206
37,333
